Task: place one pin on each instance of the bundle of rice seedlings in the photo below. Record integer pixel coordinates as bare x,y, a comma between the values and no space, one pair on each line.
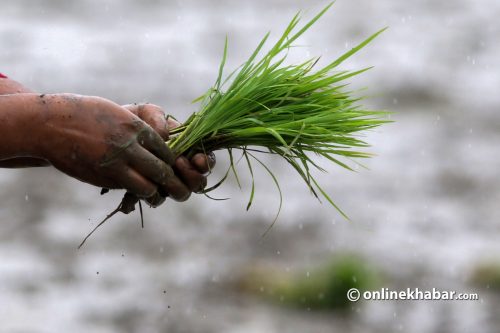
286,110
267,106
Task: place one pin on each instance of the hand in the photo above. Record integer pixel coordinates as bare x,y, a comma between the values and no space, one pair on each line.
191,172
106,145
155,117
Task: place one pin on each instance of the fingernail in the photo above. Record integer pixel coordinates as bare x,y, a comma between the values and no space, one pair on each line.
211,158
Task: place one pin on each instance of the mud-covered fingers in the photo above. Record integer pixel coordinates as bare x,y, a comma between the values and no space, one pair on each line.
203,163
153,115
149,166
193,179
135,183
134,108
154,143
159,173
156,200
176,189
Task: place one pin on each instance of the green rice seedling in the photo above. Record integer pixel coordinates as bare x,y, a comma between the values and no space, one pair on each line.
288,110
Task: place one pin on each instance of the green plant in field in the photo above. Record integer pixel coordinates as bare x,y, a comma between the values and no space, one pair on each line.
487,274
324,288
286,110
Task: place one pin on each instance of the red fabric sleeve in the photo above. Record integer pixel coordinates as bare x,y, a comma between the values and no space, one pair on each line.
2,76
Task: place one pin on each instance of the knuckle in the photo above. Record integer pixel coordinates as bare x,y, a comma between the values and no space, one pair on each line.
177,190
142,190
165,175
151,109
155,200
181,197
131,107
197,182
147,192
201,185
182,164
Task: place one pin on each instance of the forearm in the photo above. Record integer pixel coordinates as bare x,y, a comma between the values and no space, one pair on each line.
19,114
7,87
24,162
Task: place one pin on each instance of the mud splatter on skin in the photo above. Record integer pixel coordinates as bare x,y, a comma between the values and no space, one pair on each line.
116,150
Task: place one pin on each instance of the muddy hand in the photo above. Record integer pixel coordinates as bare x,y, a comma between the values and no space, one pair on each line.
104,144
191,172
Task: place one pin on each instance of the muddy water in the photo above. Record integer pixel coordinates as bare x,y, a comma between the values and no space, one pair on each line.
425,212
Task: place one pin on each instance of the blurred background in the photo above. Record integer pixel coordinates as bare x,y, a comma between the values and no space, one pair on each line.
424,214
